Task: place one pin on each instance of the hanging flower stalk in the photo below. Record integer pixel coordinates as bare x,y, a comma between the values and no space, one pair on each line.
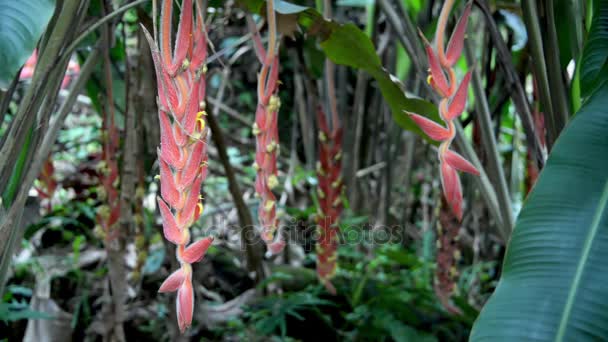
182,154
266,132
448,256
452,104
109,212
329,192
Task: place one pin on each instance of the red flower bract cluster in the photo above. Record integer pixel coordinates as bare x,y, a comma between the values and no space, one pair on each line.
329,192
452,105
182,154
266,134
109,212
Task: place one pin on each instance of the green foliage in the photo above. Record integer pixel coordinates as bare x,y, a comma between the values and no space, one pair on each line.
21,25
14,309
594,67
347,45
272,312
555,262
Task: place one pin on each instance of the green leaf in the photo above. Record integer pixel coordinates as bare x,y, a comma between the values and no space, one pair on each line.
285,7
553,286
347,45
595,53
21,25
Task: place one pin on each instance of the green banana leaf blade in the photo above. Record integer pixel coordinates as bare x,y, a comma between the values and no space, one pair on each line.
21,25
554,285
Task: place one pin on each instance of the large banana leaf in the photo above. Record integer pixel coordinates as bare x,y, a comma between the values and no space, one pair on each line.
554,285
21,25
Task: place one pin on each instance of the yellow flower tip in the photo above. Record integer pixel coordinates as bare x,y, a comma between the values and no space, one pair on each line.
200,207
274,103
336,202
200,121
320,193
320,169
336,184
322,137
273,181
255,129
205,69
202,105
429,79
268,206
185,64
338,156
256,166
271,147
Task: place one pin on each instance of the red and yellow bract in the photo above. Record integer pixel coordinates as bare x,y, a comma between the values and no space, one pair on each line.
266,132
329,192
182,154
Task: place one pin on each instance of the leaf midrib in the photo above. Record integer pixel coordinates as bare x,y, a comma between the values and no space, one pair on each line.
597,217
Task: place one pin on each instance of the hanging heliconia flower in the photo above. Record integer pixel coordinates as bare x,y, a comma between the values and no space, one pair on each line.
182,154
329,192
453,102
109,212
266,132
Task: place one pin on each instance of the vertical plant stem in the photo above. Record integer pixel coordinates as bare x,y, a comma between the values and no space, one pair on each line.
27,114
115,247
249,238
406,38
530,15
10,221
489,143
513,82
554,72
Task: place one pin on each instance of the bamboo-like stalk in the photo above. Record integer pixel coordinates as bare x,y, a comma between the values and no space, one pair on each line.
559,96
10,220
489,143
530,16
27,114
